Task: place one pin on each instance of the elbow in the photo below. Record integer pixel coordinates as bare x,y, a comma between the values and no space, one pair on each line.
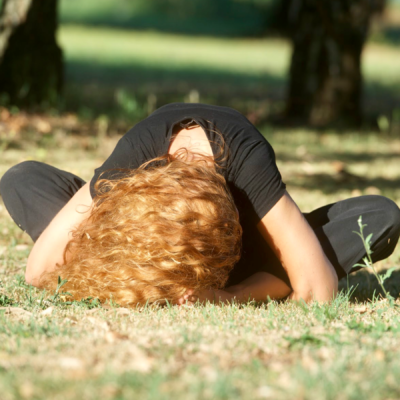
32,277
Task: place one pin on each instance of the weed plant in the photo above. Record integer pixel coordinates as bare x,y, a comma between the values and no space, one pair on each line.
368,263
344,350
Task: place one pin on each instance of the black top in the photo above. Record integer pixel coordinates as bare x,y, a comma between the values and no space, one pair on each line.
247,163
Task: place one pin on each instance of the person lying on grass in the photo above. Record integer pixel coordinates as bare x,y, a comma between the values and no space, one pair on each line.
190,205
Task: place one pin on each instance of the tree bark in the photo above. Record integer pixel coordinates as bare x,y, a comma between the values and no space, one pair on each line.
31,68
325,73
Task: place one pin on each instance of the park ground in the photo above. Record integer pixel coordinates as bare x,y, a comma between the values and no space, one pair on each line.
276,350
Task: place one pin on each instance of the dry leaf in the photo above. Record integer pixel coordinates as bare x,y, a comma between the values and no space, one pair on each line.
372,190
71,320
70,363
139,360
309,363
2,250
100,323
21,247
47,311
360,309
113,336
92,311
42,126
265,392
379,355
123,311
16,311
26,390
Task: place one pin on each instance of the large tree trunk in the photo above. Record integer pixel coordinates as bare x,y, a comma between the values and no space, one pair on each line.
31,69
325,73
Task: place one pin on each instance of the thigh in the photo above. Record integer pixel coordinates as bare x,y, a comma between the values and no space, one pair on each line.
34,193
336,223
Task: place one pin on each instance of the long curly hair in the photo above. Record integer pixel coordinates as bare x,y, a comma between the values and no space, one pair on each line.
152,235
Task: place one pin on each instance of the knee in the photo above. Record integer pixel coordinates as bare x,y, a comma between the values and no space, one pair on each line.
390,214
15,175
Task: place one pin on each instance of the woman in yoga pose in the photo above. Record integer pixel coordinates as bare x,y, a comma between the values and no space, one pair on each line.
190,205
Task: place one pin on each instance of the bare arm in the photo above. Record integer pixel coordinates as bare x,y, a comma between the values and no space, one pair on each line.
311,274
49,249
256,287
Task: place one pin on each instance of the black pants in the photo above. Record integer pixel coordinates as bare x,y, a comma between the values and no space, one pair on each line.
34,193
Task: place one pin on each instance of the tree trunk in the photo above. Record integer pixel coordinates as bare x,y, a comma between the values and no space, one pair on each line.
325,72
31,69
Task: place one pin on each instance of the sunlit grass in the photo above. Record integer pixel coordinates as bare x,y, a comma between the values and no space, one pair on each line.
346,350
120,47
113,47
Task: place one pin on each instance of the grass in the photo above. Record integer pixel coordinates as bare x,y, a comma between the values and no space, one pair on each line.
155,68
346,350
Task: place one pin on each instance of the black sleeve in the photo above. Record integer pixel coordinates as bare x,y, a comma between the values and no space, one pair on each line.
123,156
257,175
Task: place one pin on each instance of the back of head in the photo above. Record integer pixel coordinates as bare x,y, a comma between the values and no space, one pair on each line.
152,235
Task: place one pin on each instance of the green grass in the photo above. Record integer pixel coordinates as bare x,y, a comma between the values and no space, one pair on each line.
346,350
212,17
243,73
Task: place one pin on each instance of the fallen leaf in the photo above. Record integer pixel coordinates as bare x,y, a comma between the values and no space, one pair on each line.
379,355
16,311
21,247
70,363
71,320
42,126
139,361
26,390
93,311
123,311
100,323
113,336
360,309
265,392
372,190
47,311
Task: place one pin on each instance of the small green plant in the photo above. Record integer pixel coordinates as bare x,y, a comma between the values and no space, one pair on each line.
56,296
368,263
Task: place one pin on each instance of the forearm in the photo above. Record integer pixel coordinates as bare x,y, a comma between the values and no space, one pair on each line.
287,232
48,250
259,287
311,274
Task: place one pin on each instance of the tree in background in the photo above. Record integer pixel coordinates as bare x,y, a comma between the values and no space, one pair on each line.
31,69
325,72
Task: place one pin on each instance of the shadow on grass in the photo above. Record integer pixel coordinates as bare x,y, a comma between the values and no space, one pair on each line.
329,184
364,285
346,158
93,85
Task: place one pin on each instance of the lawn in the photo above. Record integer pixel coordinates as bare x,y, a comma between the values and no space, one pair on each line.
114,70
346,350
276,350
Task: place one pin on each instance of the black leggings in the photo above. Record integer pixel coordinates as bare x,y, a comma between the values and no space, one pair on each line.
34,193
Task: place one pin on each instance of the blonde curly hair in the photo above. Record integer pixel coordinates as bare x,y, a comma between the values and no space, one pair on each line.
153,234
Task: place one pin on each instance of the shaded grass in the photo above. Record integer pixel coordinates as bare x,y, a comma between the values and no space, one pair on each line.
249,74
